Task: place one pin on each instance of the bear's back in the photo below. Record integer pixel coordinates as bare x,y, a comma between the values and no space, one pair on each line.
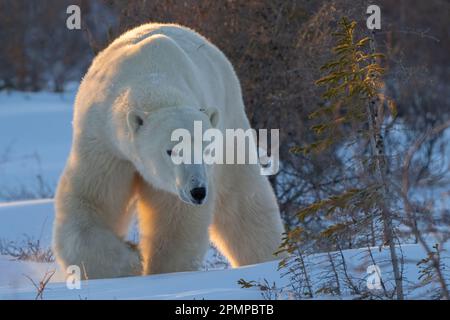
157,59
192,43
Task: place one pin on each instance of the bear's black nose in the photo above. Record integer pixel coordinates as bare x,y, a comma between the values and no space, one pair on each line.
198,194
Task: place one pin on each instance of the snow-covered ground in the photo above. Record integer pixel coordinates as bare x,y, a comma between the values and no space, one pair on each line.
35,137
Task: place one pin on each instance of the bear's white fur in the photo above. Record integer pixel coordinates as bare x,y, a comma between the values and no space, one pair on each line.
148,82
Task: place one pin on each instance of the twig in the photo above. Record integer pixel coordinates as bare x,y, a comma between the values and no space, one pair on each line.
422,34
336,276
42,283
376,270
347,277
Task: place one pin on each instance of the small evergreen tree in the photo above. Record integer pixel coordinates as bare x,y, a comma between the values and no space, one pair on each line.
353,99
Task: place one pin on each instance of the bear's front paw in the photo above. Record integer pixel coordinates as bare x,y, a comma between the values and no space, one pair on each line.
134,260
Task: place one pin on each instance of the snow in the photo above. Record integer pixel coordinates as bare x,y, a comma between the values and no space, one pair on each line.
34,217
35,138
38,225
31,161
215,284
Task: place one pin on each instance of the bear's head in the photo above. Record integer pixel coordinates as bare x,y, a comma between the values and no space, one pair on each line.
156,156
149,89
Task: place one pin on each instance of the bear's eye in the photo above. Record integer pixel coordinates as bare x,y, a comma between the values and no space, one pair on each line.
169,152
139,121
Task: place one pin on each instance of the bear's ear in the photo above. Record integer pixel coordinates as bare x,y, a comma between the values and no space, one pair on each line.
213,115
135,120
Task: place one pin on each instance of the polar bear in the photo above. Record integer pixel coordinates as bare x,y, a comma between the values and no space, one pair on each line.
150,81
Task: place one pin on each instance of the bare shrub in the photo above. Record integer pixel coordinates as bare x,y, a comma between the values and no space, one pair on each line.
27,250
40,287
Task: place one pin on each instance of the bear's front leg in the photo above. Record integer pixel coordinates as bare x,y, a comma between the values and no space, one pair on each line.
91,216
96,250
174,235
